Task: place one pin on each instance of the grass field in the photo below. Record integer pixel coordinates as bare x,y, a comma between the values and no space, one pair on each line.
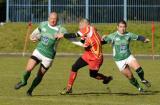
86,91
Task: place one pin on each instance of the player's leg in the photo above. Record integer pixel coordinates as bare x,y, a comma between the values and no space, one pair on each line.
136,66
94,66
73,74
42,70
127,72
99,76
45,65
32,62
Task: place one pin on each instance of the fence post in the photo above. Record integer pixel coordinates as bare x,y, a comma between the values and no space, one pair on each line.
125,10
7,10
87,9
49,7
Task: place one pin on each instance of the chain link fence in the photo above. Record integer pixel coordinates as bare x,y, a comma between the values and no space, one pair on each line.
70,11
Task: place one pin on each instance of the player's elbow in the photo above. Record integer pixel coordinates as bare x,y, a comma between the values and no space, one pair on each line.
141,38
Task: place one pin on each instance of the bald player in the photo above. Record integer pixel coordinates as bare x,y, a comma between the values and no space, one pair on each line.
93,56
44,53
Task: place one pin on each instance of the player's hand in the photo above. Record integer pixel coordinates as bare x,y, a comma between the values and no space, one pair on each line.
146,40
59,36
103,36
34,39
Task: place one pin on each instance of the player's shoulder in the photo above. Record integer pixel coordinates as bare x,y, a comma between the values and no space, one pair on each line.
93,27
113,34
129,34
43,23
110,36
62,28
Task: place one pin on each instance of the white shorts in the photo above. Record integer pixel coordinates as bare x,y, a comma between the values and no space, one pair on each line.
123,63
46,62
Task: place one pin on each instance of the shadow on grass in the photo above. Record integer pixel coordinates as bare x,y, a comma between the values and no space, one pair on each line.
45,95
119,94
149,92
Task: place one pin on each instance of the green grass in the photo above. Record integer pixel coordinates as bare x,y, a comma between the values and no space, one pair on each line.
13,35
86,91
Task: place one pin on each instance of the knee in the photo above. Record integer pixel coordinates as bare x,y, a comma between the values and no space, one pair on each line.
93,74
29,67
42,71
129,76
75,68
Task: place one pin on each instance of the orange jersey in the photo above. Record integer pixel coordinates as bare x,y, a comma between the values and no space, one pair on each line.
92,39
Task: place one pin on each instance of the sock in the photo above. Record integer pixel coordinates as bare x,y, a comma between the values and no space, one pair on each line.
134,82
35,82
96,75
25,77
100,76
72,77
140,73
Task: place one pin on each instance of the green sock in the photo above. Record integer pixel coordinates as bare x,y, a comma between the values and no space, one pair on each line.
134,82
25,76
140,73
35,82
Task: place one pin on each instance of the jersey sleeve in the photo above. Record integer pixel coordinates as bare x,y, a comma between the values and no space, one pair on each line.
40,26
83,32
35,34
108,39
133,36
63,30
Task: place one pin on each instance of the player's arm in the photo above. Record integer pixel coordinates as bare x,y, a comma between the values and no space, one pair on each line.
64,34
67,35
35,35
139,38
102,40
86,44
106,39
143,39
71,35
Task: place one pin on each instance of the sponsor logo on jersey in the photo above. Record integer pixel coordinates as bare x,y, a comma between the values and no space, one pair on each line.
117,39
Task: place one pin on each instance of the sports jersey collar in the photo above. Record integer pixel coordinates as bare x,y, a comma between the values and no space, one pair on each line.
55,27
121,34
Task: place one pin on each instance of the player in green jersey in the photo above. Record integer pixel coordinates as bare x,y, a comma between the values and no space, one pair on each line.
120,41
44,52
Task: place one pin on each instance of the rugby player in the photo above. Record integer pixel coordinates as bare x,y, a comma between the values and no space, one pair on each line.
44,52
120,41
93,56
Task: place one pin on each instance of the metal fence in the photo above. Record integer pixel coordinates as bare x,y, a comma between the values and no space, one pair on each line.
70,11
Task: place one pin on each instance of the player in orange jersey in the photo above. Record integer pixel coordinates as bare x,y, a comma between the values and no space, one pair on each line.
93,56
